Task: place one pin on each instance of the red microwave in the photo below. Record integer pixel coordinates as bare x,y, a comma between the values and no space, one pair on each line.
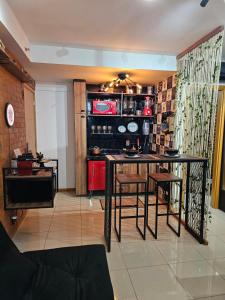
104,107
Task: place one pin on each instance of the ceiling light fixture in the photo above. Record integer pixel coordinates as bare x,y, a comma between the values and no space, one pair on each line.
204,3
123,79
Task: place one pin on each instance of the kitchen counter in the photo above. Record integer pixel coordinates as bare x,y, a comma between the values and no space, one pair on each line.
96,157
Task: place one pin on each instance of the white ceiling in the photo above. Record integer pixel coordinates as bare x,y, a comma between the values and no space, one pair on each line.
166,26
58,73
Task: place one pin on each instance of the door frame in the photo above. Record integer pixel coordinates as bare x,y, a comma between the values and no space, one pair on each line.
218,148
29,88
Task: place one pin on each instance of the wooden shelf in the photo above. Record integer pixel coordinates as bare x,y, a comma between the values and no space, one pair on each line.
119,116
119,94
29,205
102,133
94,115
13,67
115,133
134,116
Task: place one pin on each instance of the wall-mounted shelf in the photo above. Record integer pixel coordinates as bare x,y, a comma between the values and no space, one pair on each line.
119,94
115,133
104,116
102,133
13,67
119,116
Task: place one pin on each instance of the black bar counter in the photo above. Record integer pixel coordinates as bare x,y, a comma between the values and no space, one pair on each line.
196,169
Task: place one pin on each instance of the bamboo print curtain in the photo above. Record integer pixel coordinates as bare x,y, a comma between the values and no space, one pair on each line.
197,92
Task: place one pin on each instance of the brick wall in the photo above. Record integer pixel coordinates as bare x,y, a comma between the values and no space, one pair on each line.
11,90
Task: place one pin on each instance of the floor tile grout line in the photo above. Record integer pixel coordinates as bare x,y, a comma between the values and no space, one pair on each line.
49,228
202,298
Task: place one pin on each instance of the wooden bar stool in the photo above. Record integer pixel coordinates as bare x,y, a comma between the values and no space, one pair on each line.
160,180
124,179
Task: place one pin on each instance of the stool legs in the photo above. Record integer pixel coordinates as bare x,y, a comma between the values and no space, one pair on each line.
154,233
168,211
142,233
179,213
118,232
137,216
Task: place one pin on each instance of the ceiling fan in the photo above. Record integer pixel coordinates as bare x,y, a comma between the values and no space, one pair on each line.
204,3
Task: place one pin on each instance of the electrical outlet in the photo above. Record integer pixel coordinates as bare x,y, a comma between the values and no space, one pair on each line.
13,219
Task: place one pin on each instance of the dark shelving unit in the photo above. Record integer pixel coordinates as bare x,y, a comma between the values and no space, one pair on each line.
115,139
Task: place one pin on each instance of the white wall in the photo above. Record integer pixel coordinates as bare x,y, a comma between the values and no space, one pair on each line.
102,58
55,128
10,22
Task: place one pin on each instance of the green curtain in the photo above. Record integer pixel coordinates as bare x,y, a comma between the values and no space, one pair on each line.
197,93
198,75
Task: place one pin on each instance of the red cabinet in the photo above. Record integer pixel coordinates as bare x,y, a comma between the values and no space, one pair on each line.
96,175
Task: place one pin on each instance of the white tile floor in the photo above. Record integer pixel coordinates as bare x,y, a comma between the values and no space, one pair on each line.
169,268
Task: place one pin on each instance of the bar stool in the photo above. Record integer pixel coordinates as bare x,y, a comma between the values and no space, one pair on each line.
160,180
124,179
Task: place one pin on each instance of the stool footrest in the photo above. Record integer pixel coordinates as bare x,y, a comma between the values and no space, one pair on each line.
132,217
128,206
154,204
169,214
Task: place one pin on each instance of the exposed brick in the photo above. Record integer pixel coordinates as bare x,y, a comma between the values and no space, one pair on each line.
10,138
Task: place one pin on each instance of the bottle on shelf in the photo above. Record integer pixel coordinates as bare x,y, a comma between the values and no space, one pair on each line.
146,128
147,108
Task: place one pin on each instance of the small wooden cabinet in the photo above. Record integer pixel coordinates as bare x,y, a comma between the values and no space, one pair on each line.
96,175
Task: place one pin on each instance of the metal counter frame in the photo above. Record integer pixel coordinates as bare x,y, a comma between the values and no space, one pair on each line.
195,180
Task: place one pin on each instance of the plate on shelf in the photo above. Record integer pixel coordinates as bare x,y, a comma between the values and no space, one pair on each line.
132,127
122,129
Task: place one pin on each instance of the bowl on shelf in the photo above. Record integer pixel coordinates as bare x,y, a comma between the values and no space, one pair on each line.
172,152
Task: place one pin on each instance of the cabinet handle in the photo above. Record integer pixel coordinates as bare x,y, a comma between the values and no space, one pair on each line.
82,110
82,117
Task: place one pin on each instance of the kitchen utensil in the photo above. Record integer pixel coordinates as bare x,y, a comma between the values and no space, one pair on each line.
150,89
175,155
95,150
125,105
139,89
147,109
127,143
145,127
172,152
132,156
109,129
131,152
138,112
93,127
132,127
104,128
99,128
122,129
